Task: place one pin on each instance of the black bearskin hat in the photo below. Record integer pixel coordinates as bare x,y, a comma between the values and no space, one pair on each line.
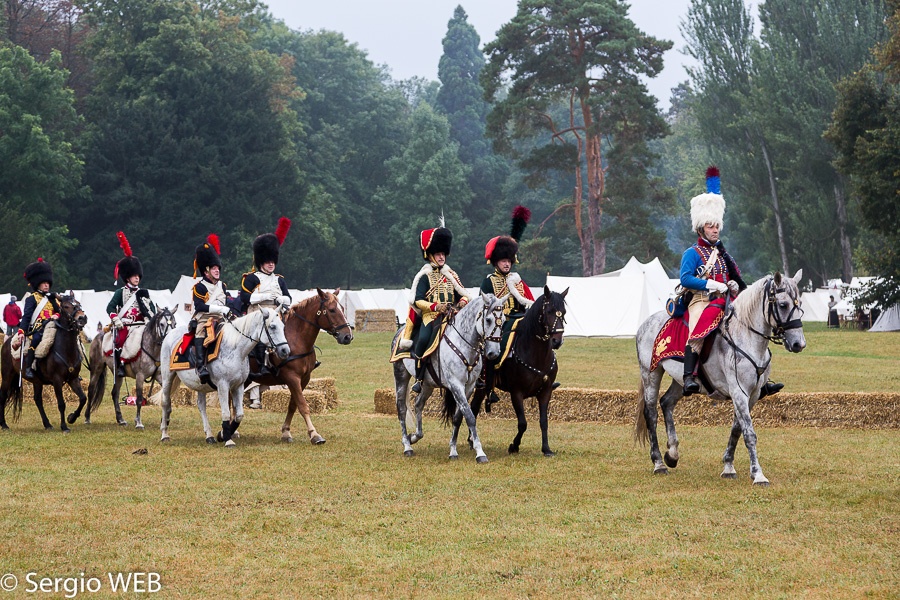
207,255
499,248
129,265
38,272
267,245
436,240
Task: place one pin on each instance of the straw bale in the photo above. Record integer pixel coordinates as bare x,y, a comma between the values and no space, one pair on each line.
278,400
48,395
376,320
617,407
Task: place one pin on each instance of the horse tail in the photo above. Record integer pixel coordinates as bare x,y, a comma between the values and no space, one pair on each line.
11,390
449,407
97,367
641,434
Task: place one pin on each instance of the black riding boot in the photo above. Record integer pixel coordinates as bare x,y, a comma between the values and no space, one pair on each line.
30,364
260,354
120,368
420,374
200,351
691,385
769,388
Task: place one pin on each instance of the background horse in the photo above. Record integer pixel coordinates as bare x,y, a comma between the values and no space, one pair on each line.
473,331
738,366
143,370
530,368
302,323
60,367
227,372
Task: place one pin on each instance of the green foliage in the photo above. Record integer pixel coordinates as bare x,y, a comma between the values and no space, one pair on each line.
42,165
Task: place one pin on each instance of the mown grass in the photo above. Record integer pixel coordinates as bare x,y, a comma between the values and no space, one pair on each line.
354,518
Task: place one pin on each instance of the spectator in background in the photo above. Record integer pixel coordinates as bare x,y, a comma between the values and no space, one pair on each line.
12,314
832,313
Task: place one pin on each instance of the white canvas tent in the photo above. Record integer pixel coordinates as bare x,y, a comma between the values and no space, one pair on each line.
614,304
888,320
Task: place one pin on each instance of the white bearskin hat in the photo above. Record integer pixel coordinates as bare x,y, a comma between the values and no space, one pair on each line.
709,207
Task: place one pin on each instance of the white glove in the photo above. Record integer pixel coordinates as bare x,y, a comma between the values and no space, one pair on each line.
219,310
285,300
117,322
716,286
733,286
257,297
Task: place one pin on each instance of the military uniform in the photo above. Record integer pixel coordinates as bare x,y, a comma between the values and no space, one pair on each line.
130,305
209,298
265,290
435,289
710,274
40,309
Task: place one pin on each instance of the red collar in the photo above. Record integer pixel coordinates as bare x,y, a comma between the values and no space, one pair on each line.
703,243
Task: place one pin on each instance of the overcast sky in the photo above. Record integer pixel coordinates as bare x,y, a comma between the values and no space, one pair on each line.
406,35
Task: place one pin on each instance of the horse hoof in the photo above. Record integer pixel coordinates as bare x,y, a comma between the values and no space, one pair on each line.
122,423
230,444
414,438
549,454
317,440
454,457
287,440
219,437
139,426
210,440
660,471
87,421
761,483
48,427
71,419
408,453
513,449
671,462
165,440
236,435
67,430
729,475
481,459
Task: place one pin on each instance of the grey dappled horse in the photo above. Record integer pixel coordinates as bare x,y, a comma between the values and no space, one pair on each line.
228,372
143,369
457,361
738,366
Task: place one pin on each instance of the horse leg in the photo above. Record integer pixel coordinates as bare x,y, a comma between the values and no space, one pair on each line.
298,402
667,403
401,389
462,406
237,400
207,429
75,386
170,383
61,406
742,415
38,389
116,390
228,426
649,390
519,407
420,408
4,398
728,471
454,433
544,408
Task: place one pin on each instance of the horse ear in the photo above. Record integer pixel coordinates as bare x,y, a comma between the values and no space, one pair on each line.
777,278
336,291
546,290
798,276
564,293
321,293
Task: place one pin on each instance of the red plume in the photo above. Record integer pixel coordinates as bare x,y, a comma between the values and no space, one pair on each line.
213,240
284,225
712,171
123,242
520,212
520,218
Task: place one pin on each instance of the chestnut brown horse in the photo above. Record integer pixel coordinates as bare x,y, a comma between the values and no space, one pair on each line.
60,367
302,323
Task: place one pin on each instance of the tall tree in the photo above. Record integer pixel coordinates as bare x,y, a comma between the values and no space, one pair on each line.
42,163
588,57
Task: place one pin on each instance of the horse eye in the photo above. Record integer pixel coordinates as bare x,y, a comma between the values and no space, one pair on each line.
783,304
331,310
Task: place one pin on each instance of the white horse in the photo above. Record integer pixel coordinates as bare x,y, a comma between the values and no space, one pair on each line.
738,366
457,362
228,372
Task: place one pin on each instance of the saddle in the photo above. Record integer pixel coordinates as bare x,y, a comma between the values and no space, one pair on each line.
437,334
673,337
129,339
42,350
184,355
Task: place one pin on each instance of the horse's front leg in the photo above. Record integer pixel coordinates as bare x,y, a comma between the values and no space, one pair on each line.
543,399
454,433
166,405
463,408
298,402
228,426
116,389
518,406
61,406
728,471
667,403
38,389
401,389
75,386
742,416
138,399
237,401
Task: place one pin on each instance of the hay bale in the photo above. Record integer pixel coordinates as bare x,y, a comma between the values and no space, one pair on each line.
327,386
376,320
48,395
278,400
617,407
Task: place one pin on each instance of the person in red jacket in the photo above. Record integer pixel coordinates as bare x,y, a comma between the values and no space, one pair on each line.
12,314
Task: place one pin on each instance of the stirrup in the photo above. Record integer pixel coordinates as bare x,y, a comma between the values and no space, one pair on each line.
555,385
691,385
769,388
317,365
417,386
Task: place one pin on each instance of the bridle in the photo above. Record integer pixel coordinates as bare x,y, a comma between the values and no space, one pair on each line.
333,330
271,345
770,309
483,336
70,322
550,328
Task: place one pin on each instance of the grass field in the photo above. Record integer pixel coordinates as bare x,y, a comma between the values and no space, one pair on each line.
354,518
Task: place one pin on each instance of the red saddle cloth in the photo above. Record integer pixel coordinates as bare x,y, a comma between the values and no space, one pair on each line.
670,341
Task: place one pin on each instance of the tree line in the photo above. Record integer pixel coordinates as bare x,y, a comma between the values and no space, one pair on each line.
171,119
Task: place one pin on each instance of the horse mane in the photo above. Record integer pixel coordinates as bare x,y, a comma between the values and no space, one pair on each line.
530,324
749,302
242,324
297,307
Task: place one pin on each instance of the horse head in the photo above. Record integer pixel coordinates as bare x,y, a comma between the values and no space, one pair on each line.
330,318
71,315
784,313
162,323
553,316
489,324
272,334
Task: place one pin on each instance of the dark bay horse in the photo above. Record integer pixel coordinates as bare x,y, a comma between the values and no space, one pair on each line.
530,368
737,368
60,367
302,323
143,370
